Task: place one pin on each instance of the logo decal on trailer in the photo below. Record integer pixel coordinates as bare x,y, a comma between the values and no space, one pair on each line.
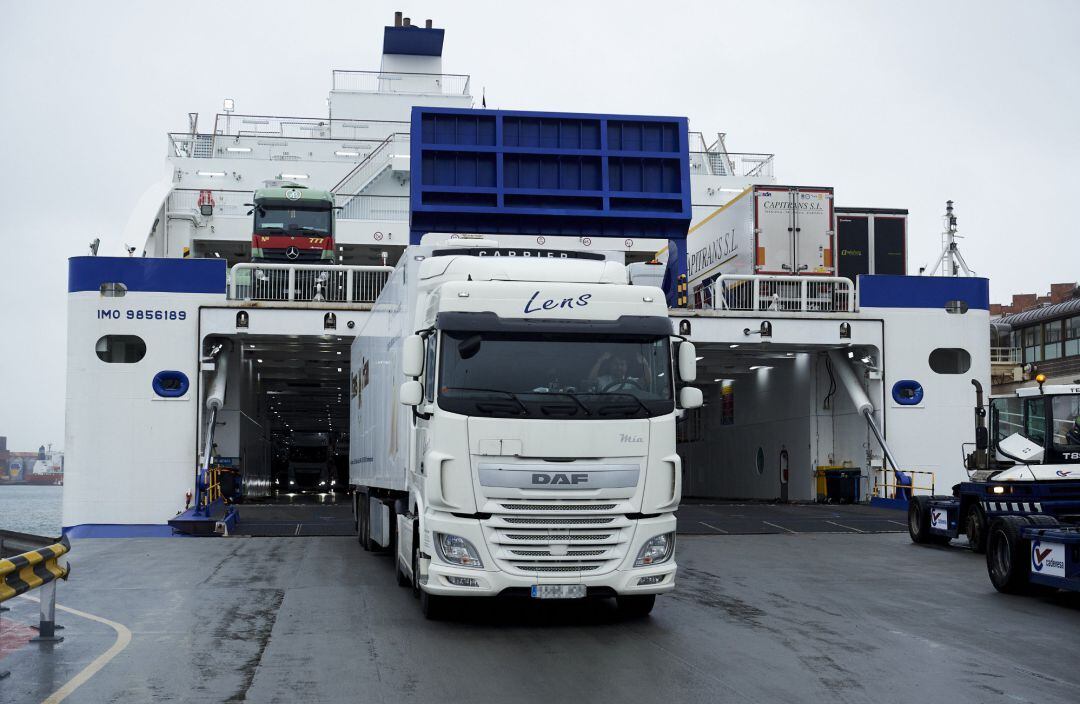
939,519
1064,473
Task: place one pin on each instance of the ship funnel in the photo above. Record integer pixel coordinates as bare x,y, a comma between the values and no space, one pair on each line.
397,19
427,24
406,22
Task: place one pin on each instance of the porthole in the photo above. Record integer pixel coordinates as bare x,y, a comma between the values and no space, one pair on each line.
950,360
907,392
171,384
120,349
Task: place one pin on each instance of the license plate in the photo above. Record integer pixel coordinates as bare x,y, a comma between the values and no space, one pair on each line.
558,591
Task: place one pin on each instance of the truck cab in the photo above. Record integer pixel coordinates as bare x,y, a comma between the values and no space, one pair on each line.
309,463
1025,463
292,224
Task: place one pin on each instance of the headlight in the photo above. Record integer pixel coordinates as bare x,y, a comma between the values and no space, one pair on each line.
656,550
322,483
291,482
333,482
455,550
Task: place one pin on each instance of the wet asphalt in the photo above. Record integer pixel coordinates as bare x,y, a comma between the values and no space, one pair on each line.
782,617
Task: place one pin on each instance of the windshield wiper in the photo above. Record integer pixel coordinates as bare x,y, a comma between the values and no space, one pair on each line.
632,396
513,397
573,397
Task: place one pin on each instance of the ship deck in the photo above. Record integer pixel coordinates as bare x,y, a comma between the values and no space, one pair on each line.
793,615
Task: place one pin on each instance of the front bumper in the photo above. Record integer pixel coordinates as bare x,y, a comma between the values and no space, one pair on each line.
491,580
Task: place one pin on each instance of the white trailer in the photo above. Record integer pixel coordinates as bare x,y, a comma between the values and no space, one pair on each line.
513,427
764,230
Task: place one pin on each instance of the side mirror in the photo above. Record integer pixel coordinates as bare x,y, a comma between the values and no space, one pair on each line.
412,357
411,393
690,397
688,362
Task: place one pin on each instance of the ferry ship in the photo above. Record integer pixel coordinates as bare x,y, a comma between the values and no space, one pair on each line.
229,332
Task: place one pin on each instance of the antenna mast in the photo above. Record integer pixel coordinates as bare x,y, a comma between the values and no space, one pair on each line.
951,262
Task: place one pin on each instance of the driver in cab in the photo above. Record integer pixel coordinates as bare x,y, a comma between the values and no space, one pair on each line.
615,374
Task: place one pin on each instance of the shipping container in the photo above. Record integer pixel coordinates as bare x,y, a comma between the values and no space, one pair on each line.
871,241
772,230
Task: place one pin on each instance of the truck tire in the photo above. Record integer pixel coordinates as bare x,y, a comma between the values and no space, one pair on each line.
435,607
1041,520
402,578
416,567
1007,560
919,522
976,528
635,605
361,528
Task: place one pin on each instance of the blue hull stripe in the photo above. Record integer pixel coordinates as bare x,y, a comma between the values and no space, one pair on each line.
922,292
144,274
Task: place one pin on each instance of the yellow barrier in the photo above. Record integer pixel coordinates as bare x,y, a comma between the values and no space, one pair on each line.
891,489
30,570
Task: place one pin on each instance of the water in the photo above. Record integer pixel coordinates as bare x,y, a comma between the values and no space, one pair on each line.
31,509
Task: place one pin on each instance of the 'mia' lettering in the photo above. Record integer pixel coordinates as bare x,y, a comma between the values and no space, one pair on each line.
532,305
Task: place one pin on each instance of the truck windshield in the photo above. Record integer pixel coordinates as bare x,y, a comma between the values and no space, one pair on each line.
292,221
1066,428
307,454
555,376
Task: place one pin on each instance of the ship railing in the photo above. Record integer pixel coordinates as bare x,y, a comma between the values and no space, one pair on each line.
1005,355
344,149
739,164
790,294
364,206
258,281
233,203
402,82
234,125
378,160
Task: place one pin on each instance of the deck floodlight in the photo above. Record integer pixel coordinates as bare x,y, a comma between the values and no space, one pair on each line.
845,331
242,320
684,328
228,105
329,322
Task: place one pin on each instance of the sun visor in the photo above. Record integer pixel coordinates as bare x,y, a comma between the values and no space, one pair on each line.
490,322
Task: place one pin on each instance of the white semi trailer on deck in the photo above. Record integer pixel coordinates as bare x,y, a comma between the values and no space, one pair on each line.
513,426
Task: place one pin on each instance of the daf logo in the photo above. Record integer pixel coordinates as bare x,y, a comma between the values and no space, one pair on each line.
292,194
292,252
559,478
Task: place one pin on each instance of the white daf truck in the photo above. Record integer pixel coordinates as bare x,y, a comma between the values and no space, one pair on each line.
513,427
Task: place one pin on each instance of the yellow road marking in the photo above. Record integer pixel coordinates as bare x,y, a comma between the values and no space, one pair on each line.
123,637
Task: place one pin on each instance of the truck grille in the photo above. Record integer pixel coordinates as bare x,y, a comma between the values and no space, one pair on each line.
576,540
557,507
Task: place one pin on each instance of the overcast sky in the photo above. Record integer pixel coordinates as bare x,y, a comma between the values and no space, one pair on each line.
895,104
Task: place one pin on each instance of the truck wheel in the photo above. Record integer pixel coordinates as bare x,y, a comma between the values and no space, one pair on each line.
1041,520
402,578
365,522
918,514
635,605
416,568
435,607
1007,560
975,527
